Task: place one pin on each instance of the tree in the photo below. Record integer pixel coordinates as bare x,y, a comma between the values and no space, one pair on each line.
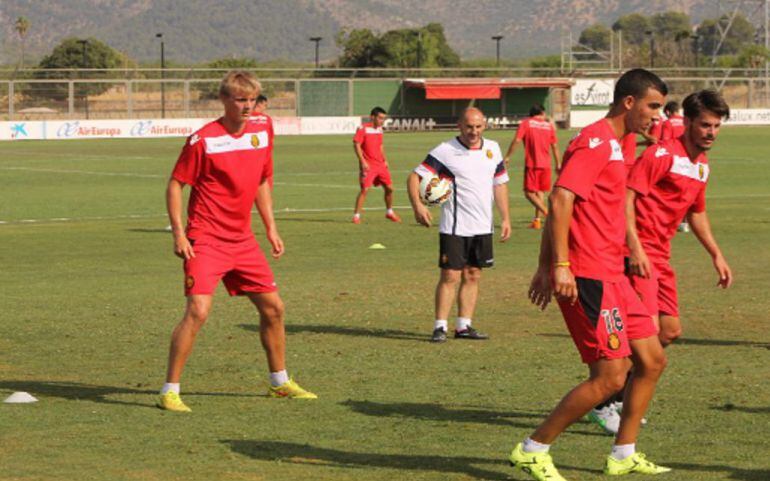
670,25
596,37
211,90
634,27
22,27
404,48
741,33
72,53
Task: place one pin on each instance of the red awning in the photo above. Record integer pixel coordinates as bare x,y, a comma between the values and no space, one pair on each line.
436,92
480,88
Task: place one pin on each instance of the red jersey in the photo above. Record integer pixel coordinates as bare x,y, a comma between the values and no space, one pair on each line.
629,150
594,170
669,185
370,140
538,135
673,128
224,172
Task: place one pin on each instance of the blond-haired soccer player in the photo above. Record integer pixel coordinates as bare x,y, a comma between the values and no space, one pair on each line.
228,165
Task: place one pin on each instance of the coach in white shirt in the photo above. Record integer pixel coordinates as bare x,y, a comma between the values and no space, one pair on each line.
476,167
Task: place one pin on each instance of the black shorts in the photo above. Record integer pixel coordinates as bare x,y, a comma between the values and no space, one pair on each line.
456,252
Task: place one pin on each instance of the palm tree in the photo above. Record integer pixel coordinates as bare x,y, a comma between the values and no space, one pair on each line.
22,27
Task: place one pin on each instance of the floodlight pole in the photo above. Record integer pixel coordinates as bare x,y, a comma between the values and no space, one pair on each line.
497,39
162,76
317,41
652,48
84,43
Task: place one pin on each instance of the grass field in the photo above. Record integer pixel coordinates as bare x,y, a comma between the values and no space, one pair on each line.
90,291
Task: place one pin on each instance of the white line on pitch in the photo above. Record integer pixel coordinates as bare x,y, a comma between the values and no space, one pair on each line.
285,210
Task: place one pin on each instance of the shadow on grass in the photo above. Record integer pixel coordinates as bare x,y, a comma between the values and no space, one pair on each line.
692,342
729,407
317,456
159,230
734,473
284,216
75,391
346,331
461,414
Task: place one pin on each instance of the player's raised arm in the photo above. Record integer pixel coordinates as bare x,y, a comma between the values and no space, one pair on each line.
182,246
701,227
421,213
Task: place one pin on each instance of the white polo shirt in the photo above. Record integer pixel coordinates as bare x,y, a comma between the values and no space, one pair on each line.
475,172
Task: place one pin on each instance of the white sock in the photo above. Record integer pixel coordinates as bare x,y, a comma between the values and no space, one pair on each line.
440,324
170,386
530,446
278,378
462,323
390,211
622,451
357,215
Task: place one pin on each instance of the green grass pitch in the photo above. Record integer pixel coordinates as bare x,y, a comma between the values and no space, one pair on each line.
90,291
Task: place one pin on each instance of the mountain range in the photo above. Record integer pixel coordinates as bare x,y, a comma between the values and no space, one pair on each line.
197,31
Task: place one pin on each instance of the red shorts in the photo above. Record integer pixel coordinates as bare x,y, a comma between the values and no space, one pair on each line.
375,175
606,316
241,265
537,180
659,291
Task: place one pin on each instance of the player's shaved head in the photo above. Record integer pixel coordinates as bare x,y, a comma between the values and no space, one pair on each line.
471,124
470,114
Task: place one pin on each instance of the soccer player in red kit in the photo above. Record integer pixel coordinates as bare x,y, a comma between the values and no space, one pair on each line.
228,164
539,137
372,164
581,262
668,183
673,126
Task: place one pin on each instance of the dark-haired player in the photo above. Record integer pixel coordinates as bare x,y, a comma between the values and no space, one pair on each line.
372,164
668,183
581,262
539,137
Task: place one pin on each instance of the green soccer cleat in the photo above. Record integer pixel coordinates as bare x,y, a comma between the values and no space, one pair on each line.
538,465
172,402
636,463
291,390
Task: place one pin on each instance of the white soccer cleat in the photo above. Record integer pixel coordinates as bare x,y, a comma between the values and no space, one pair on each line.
606,417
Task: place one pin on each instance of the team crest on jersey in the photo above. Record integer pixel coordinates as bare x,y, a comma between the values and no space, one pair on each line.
189,282
613,341
255,141
489,154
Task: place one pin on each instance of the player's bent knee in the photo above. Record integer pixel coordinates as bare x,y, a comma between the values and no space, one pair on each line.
272,313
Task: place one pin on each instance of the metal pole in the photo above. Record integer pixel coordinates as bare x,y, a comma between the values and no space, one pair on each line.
317,41
162,76
620,50
84,43
497,39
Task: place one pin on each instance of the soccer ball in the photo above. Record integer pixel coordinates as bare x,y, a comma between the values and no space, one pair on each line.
434,190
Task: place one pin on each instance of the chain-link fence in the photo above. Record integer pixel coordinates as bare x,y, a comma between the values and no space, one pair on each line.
193,93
